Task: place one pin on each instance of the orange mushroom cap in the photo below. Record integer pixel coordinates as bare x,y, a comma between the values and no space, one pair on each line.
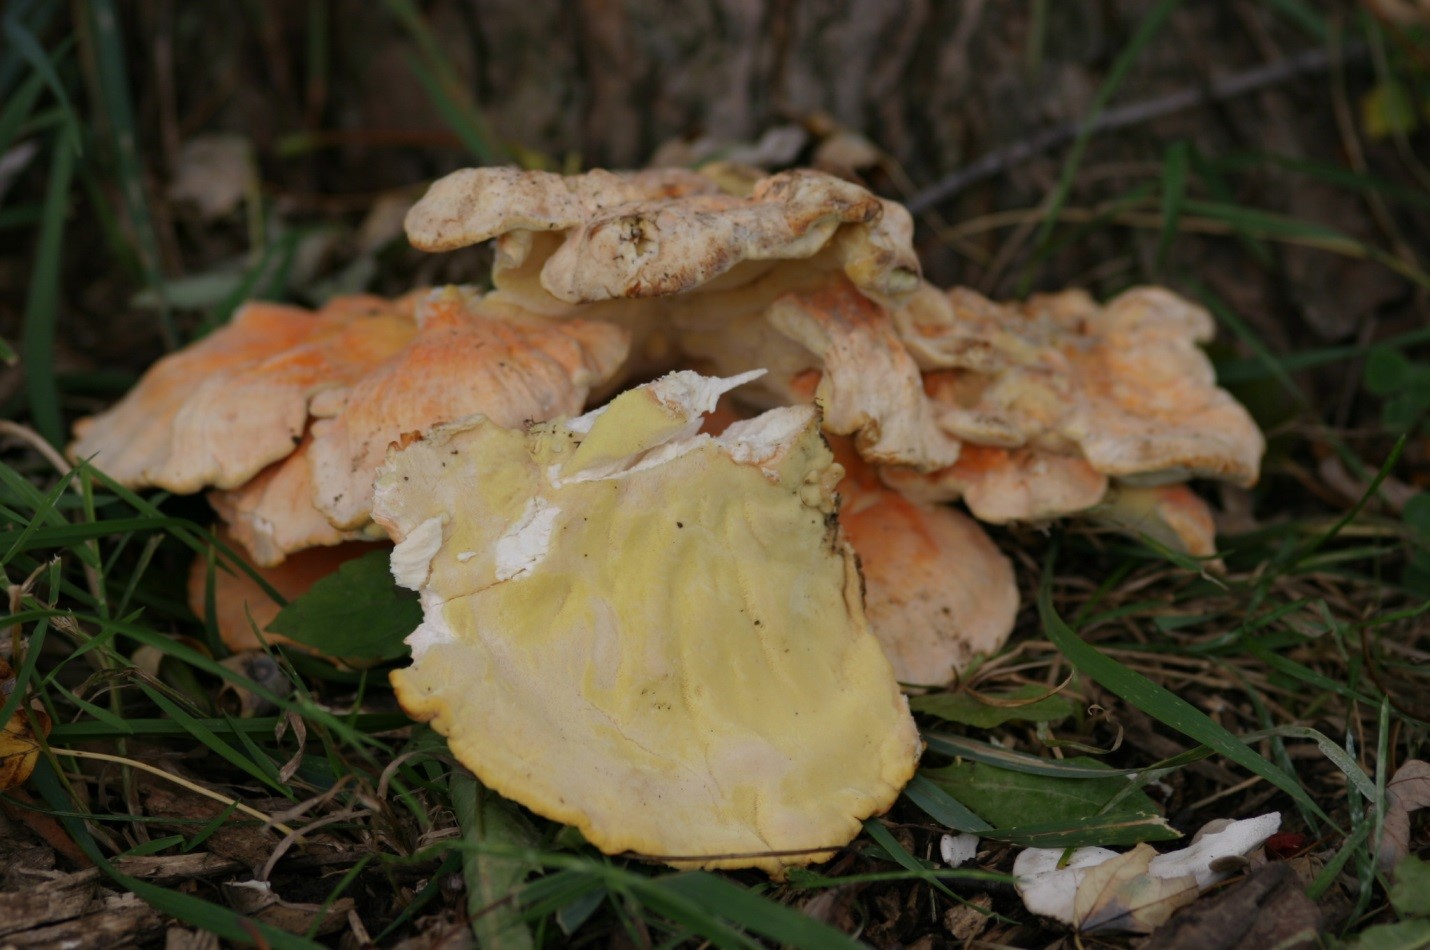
1172,515
465,358
222,409
937,590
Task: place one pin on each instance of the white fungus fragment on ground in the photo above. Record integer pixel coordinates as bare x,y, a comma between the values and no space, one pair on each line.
957,850
1139,899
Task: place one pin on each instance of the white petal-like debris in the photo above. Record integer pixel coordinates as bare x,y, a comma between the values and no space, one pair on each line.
1099,889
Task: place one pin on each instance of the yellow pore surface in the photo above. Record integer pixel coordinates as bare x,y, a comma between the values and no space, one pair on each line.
631,631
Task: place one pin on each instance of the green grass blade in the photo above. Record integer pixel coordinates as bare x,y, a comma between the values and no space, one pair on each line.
440,80
1246,335
1146,30
191,910
942,807
1316,543
1033,765
453,111
885,839
755,913
43,299
113,98
29,48
688,912
213,743
1159,703
1096,830
1331,174
1269,224
17,110
1174,194
1302,15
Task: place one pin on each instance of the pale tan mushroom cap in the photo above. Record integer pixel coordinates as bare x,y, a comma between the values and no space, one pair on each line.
664,232
870,385
219,411
477,204
651,634
937,590
1124,385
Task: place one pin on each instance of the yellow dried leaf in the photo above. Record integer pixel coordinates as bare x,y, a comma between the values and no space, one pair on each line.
19,749
1121,894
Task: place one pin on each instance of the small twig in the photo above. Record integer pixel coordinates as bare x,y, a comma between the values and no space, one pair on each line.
37,442
295,837
267,820
1134,113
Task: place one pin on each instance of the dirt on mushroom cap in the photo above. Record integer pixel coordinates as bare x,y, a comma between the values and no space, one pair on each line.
663,232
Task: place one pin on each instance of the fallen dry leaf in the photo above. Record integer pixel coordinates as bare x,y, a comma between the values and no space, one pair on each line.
967,920
1098,889
1408,790
19,749
1269,909
213,173
1123,894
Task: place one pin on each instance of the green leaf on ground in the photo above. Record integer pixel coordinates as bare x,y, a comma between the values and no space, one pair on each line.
492,825
1165,706
1387,371
358,612
1388,109
1410,894
1417,517
1406,935
1027,703
1008,799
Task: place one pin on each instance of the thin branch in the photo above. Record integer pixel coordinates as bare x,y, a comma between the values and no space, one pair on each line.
267,820
1307,62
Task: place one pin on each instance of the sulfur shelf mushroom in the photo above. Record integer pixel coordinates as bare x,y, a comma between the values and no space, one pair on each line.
1168,514
222,409
1026,412
937,590
653,634
661,232
288,413
688,268
466,358
1124,385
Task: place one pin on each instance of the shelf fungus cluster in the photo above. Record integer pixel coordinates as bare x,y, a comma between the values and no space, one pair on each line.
286,413
661,634
1029,412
